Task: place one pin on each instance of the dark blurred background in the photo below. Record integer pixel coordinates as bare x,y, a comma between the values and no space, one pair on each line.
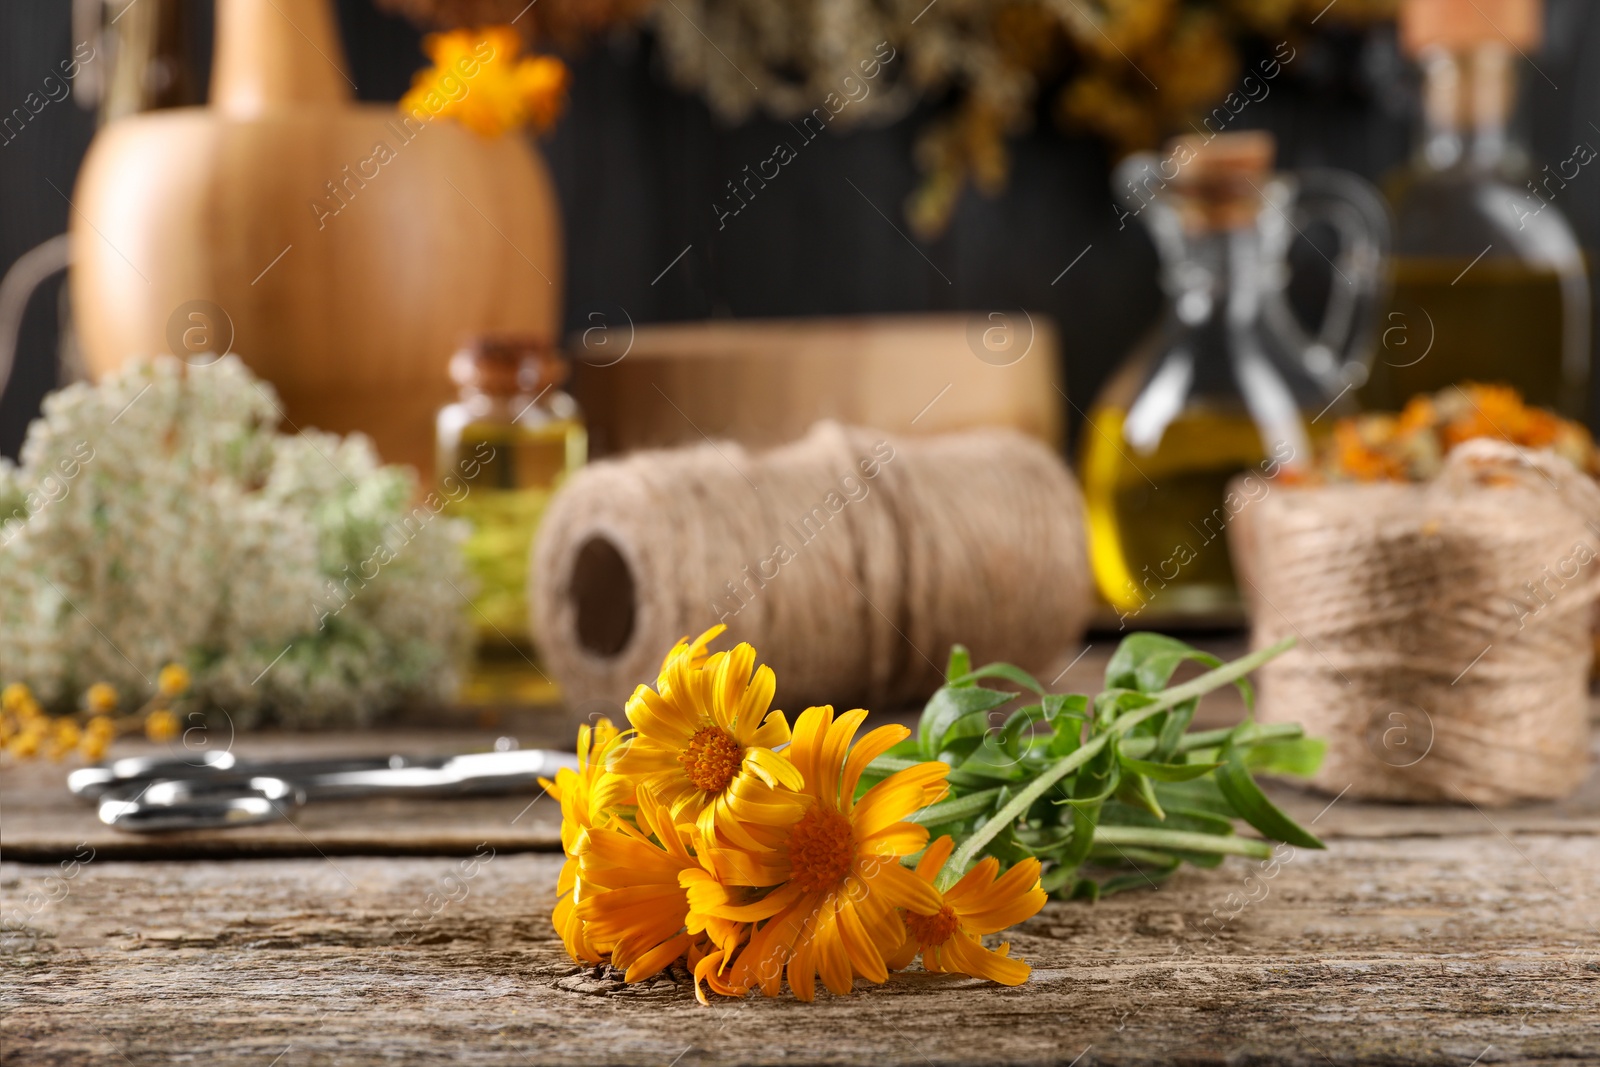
638,165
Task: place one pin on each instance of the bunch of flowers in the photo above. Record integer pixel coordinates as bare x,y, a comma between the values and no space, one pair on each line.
712,833
27,731
1131,71
158,517
480,79
1411,446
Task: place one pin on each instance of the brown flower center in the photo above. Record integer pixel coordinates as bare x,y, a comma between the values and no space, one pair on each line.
712,759
821,849
931,930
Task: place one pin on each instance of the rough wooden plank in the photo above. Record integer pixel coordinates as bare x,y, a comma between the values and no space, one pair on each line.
1412,951
45,823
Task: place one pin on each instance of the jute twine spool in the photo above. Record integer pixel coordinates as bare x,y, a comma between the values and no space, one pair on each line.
1444,630
850,561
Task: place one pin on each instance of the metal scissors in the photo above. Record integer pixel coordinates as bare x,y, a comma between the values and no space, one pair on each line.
218,790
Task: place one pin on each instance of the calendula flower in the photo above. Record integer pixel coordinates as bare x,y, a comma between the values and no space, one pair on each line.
839,881
633,897
588,797
100,699
951,939
478,79
173,680
704,742
161,725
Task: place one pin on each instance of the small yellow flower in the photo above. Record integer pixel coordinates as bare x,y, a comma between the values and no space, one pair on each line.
100,699
589,798
161,725
980,903
100,727
26,744
15,696
93,747
173,680
67,736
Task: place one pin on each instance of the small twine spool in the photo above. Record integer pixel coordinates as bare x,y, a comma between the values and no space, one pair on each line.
1444,630
852,562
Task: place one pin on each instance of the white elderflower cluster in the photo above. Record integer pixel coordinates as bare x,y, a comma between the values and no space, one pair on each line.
158,516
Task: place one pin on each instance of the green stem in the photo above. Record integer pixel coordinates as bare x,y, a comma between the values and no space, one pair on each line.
1181,840
1140,747
884,766
959,808
957,864
1165,700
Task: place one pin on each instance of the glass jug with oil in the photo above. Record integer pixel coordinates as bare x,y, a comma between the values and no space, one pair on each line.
1229,382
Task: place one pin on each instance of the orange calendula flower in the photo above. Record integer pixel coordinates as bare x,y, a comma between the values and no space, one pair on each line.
704,741
588,798
950,940
633,899
840,883
478,79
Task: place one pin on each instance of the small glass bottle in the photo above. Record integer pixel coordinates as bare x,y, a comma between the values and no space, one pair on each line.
1489,279
503,449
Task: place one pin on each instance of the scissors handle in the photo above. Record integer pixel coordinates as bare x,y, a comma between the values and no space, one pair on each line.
154,795
195,804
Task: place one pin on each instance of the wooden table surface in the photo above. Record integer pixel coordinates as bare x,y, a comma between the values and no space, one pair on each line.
354,935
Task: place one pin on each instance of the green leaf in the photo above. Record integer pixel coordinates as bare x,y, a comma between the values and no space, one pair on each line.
1066,716
1145,661
960,662
947,706
1000,670
1234,780
993,762
1090,789
1135,789
1046,780
1299,756
1168,772
1178,818
1198,795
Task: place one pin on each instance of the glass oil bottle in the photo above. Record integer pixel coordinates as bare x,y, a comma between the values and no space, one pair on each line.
1229,389
508,443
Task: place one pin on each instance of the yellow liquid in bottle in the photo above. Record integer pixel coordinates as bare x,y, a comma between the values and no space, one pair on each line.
1158,519
1493,321
520,469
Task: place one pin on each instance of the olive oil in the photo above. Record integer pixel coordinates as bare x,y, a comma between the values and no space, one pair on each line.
520,469
1498,320
1158,519
1490,283
1226,389
504,448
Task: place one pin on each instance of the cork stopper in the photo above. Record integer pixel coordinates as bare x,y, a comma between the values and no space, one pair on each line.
507,365
1465,24
1226,157
1220,178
